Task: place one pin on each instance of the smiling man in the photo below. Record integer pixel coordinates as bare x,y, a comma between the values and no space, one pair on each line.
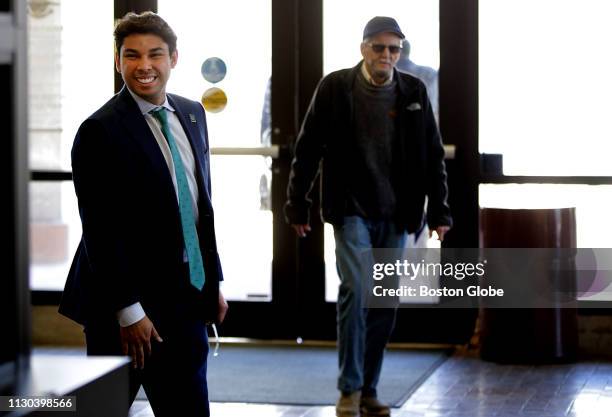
382,177
145,278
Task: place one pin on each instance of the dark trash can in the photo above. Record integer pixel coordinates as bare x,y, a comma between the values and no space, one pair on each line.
533,335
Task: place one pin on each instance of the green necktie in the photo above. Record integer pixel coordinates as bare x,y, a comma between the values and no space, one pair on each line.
190,235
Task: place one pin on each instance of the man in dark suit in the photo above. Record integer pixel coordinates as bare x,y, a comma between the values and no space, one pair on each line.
145,277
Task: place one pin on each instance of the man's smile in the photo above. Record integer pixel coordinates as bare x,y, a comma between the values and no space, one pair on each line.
148,79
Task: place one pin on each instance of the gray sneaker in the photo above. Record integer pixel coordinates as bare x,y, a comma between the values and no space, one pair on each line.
371,407
348,405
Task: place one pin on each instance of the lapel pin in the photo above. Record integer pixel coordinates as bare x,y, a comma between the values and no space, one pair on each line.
192,118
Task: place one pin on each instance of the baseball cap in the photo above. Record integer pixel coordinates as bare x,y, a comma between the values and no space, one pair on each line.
380,24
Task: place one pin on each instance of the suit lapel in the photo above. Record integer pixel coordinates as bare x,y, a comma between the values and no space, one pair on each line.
140,132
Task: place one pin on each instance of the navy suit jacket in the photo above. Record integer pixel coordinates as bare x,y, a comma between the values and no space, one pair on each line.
131,249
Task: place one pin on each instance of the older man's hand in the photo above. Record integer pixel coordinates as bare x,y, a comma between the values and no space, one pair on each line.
440,231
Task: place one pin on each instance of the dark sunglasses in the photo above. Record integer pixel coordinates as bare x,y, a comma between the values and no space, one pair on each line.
380,48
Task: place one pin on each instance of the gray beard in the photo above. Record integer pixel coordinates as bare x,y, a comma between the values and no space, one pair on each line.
382,75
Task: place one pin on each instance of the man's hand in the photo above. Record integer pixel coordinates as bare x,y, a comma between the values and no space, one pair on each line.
136,340
440,231
223,307
301,229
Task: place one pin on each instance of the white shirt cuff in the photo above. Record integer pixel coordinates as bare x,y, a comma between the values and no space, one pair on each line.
130,315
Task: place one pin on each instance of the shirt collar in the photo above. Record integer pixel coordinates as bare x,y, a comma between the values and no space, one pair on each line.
147,107
368,77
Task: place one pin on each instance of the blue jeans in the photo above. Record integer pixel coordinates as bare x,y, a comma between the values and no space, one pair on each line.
362,333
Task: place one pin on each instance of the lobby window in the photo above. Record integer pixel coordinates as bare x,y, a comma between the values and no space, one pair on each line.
70,49
544,83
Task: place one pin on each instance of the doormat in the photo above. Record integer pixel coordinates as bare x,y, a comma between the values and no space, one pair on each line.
308,375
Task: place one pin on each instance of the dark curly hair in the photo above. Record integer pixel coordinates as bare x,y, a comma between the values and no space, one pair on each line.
144,23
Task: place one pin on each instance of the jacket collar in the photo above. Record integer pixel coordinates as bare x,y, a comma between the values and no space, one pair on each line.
147,107
140,132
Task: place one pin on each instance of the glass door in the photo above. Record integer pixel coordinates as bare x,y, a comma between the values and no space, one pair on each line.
256,71
225,62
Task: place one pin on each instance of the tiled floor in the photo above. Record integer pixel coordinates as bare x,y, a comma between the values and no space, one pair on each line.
465,386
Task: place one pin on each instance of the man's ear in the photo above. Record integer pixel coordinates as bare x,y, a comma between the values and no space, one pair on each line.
362,49
173,58
117,62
